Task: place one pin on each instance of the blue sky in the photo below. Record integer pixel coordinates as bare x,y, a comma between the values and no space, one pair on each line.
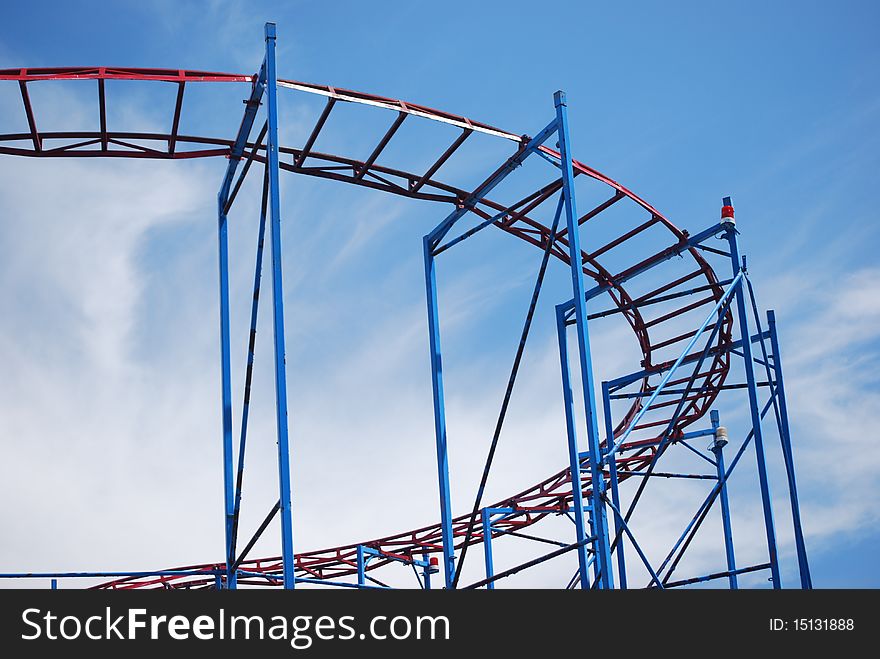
110,336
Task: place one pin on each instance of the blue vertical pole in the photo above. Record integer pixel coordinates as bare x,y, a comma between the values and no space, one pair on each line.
615,492
598,514
439,415
718,444
361,565
487,547
278,313
574,463
54,584
427,571
727,221
226,388
785,438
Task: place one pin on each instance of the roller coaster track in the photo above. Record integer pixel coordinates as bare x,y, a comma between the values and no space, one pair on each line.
659,337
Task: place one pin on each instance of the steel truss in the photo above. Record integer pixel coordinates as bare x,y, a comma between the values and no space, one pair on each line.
680,376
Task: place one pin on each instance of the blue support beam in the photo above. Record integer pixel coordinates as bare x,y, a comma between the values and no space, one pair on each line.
718,444
624,380
615,490
264,83
709,432
252,104
574,458
361,566
769,526
661,257
688,534
489,184
487,547
287,557
226,391
718,310
785,438
308,580
655,578
365,553
508,392
598,514
439,414
717,575
430,248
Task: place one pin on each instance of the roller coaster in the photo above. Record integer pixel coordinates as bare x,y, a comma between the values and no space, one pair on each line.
696,324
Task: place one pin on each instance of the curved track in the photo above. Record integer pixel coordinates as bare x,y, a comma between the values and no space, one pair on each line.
659,337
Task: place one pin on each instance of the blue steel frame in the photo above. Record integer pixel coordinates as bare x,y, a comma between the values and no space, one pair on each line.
265,83
785,436
598,515
247,122
736,291
432,247
594,547
365,554
770,528
486,516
